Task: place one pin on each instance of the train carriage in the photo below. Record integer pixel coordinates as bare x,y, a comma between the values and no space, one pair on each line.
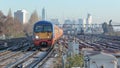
45,33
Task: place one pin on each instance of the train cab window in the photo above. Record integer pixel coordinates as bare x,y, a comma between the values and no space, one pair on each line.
43,28
38,28
47,28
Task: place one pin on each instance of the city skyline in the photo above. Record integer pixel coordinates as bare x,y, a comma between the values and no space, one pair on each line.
101,11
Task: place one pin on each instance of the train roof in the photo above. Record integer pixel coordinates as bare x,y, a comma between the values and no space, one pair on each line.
43,22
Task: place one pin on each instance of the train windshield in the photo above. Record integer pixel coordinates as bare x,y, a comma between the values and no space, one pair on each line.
43,28
38,28
47,28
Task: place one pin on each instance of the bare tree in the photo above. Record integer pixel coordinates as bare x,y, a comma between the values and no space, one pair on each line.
33,18
10,26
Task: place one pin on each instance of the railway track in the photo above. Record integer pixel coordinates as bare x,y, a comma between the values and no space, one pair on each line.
42,61
97,43
32,60
7,51
18,56
8,43
102,44
13,53
35,59
11,57
20,62
4,53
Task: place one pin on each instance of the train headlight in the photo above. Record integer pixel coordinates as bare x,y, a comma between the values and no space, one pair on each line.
36,37
48,36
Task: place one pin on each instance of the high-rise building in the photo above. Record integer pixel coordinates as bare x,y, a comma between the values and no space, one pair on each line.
88,20
43,14
21,15
82,22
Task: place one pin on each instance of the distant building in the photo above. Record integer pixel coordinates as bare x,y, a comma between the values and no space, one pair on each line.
68,21
82,23
43,14
55,21
68,24
88,21
21,15
74,26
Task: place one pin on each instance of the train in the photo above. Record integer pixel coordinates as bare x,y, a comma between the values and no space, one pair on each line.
46,34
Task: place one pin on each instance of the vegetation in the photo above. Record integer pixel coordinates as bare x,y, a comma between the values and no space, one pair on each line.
75,61
33,18
12,27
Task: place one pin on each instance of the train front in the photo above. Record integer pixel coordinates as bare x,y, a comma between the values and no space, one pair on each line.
43,34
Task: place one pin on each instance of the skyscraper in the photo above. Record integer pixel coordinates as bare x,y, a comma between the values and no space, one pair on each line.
82,22
43,14
88,20
21,15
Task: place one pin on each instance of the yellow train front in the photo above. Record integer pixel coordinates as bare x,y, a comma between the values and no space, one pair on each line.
46,33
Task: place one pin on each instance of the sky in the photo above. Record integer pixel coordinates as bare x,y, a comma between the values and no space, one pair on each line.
101,10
